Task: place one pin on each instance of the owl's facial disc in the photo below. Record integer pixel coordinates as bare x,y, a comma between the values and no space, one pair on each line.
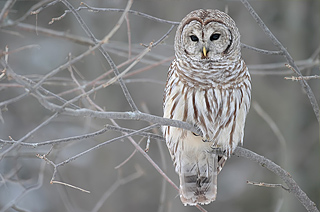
206,43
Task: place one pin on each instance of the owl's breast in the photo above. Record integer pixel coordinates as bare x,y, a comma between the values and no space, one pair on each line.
218,110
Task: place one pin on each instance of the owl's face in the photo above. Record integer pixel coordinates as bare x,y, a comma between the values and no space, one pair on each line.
207,35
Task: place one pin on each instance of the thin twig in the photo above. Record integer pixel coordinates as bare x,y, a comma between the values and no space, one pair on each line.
59,141
19,49
30,86
293,78
66,65
118,24
69,185
117,184
14,99
121,75
261,50
95,82
163,37
129,35
280,68
104,143
128,158
268,185
55,166
45,4
5,10
96,9
30,12
272,125
30,133
54,33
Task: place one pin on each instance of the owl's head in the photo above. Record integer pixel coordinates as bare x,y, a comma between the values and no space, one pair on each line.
207,35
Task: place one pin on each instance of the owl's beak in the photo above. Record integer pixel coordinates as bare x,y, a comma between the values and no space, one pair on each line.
204,51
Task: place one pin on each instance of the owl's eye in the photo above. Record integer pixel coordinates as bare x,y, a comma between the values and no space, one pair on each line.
214,36
194,38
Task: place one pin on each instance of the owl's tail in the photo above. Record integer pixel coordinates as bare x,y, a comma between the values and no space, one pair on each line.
198,181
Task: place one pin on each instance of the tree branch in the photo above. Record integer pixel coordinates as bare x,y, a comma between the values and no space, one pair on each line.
284,175
96,9
288,57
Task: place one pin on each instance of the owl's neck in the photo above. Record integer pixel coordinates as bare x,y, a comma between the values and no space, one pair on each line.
211,74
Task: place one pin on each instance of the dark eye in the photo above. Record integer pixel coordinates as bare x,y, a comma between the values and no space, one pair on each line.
214,36
194,38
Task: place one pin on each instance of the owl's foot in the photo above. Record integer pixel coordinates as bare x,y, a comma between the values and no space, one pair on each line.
195,134
204,140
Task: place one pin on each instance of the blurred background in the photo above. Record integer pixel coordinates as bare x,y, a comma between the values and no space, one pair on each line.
281,124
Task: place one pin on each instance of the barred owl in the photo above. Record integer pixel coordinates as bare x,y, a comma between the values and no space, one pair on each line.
208,86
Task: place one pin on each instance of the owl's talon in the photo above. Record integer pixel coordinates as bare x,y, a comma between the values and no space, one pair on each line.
195,134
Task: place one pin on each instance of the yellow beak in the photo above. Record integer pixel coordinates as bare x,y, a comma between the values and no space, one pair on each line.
204,51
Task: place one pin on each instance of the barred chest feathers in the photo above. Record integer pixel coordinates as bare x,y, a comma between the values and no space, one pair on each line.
217,108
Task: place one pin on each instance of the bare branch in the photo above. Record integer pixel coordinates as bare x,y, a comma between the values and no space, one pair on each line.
131,116
95,9
15,99
272,125
261,50
293,78
163,37
118,24
288,57
55,33
69,185
106,142
284,175
41,4
5,10
28,135
128,158
117,184
268,185
111,81
301,77
104,53
62,140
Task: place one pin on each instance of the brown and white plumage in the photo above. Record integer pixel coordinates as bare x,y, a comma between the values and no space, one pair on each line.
209,86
